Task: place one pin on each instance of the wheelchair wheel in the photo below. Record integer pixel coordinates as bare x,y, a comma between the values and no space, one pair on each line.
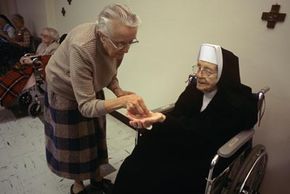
34,109
24,100
251,174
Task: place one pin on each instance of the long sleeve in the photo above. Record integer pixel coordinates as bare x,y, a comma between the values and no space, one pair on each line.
83,86
80,68
114,84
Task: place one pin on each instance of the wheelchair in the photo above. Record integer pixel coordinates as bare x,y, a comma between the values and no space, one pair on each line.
32,95
246,170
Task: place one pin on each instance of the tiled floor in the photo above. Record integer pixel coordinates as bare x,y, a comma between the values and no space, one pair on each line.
23,167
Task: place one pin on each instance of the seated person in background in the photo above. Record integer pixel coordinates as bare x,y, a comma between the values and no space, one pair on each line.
174,157
12,49
21,76
7,30
22,34
49,43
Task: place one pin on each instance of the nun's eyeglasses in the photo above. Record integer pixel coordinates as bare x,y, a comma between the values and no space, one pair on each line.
121,45
203,70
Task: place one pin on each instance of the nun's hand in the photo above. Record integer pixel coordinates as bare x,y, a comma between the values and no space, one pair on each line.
139,121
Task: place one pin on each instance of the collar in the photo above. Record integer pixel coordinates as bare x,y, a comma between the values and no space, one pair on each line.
207,97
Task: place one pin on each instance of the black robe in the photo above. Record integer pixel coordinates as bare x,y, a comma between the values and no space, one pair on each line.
174,157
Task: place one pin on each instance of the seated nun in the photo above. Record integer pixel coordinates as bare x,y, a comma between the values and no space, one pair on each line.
174,157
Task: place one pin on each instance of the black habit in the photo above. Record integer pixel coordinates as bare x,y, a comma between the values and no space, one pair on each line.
174,157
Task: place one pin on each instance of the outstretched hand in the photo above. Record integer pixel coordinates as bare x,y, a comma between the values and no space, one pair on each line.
139,121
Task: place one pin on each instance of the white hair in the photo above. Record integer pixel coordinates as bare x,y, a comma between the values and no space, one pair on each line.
117,12
53,33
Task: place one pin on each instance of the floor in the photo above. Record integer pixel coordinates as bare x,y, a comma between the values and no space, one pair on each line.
23,167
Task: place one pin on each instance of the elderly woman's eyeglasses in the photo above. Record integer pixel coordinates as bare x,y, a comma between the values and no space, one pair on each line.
44,35
121,45
203,70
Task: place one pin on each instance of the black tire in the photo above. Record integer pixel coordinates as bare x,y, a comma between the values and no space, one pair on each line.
34,109
251,174
24,100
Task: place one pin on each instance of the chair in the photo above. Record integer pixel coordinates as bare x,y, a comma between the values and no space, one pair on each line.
246,172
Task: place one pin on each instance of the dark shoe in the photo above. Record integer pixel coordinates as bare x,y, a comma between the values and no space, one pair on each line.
104,185
81,192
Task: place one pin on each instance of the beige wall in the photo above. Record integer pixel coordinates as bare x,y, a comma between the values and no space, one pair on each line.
170,35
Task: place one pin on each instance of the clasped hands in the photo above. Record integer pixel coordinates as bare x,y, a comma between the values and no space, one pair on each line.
27,59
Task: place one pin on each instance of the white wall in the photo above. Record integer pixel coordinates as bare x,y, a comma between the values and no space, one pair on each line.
170,35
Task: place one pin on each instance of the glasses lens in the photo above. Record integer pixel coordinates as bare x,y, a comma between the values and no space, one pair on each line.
44,35
195,69
134,41
122,45
202,70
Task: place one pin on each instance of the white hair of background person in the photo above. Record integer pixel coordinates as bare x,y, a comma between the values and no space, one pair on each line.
117,12
53,33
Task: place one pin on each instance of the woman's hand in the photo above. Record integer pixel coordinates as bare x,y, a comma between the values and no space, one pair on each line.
138,121
119,92
135,105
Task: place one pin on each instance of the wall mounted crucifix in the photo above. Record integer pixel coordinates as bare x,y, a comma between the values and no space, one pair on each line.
63,11
273,16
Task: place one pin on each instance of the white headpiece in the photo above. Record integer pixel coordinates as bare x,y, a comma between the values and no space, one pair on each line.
213,54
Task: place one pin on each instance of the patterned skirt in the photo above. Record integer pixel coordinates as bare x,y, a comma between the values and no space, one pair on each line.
75,145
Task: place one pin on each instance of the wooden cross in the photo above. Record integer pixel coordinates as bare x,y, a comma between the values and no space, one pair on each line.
63,11
273,16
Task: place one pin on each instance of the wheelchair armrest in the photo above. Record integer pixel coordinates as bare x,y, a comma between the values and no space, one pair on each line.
234,144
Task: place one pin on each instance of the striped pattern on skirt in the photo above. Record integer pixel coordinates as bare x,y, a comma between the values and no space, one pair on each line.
75,145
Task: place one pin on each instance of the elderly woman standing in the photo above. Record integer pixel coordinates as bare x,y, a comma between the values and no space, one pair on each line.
174,157
84,64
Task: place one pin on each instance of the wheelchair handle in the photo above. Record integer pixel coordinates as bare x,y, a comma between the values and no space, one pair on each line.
27,54
35,59
264,90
